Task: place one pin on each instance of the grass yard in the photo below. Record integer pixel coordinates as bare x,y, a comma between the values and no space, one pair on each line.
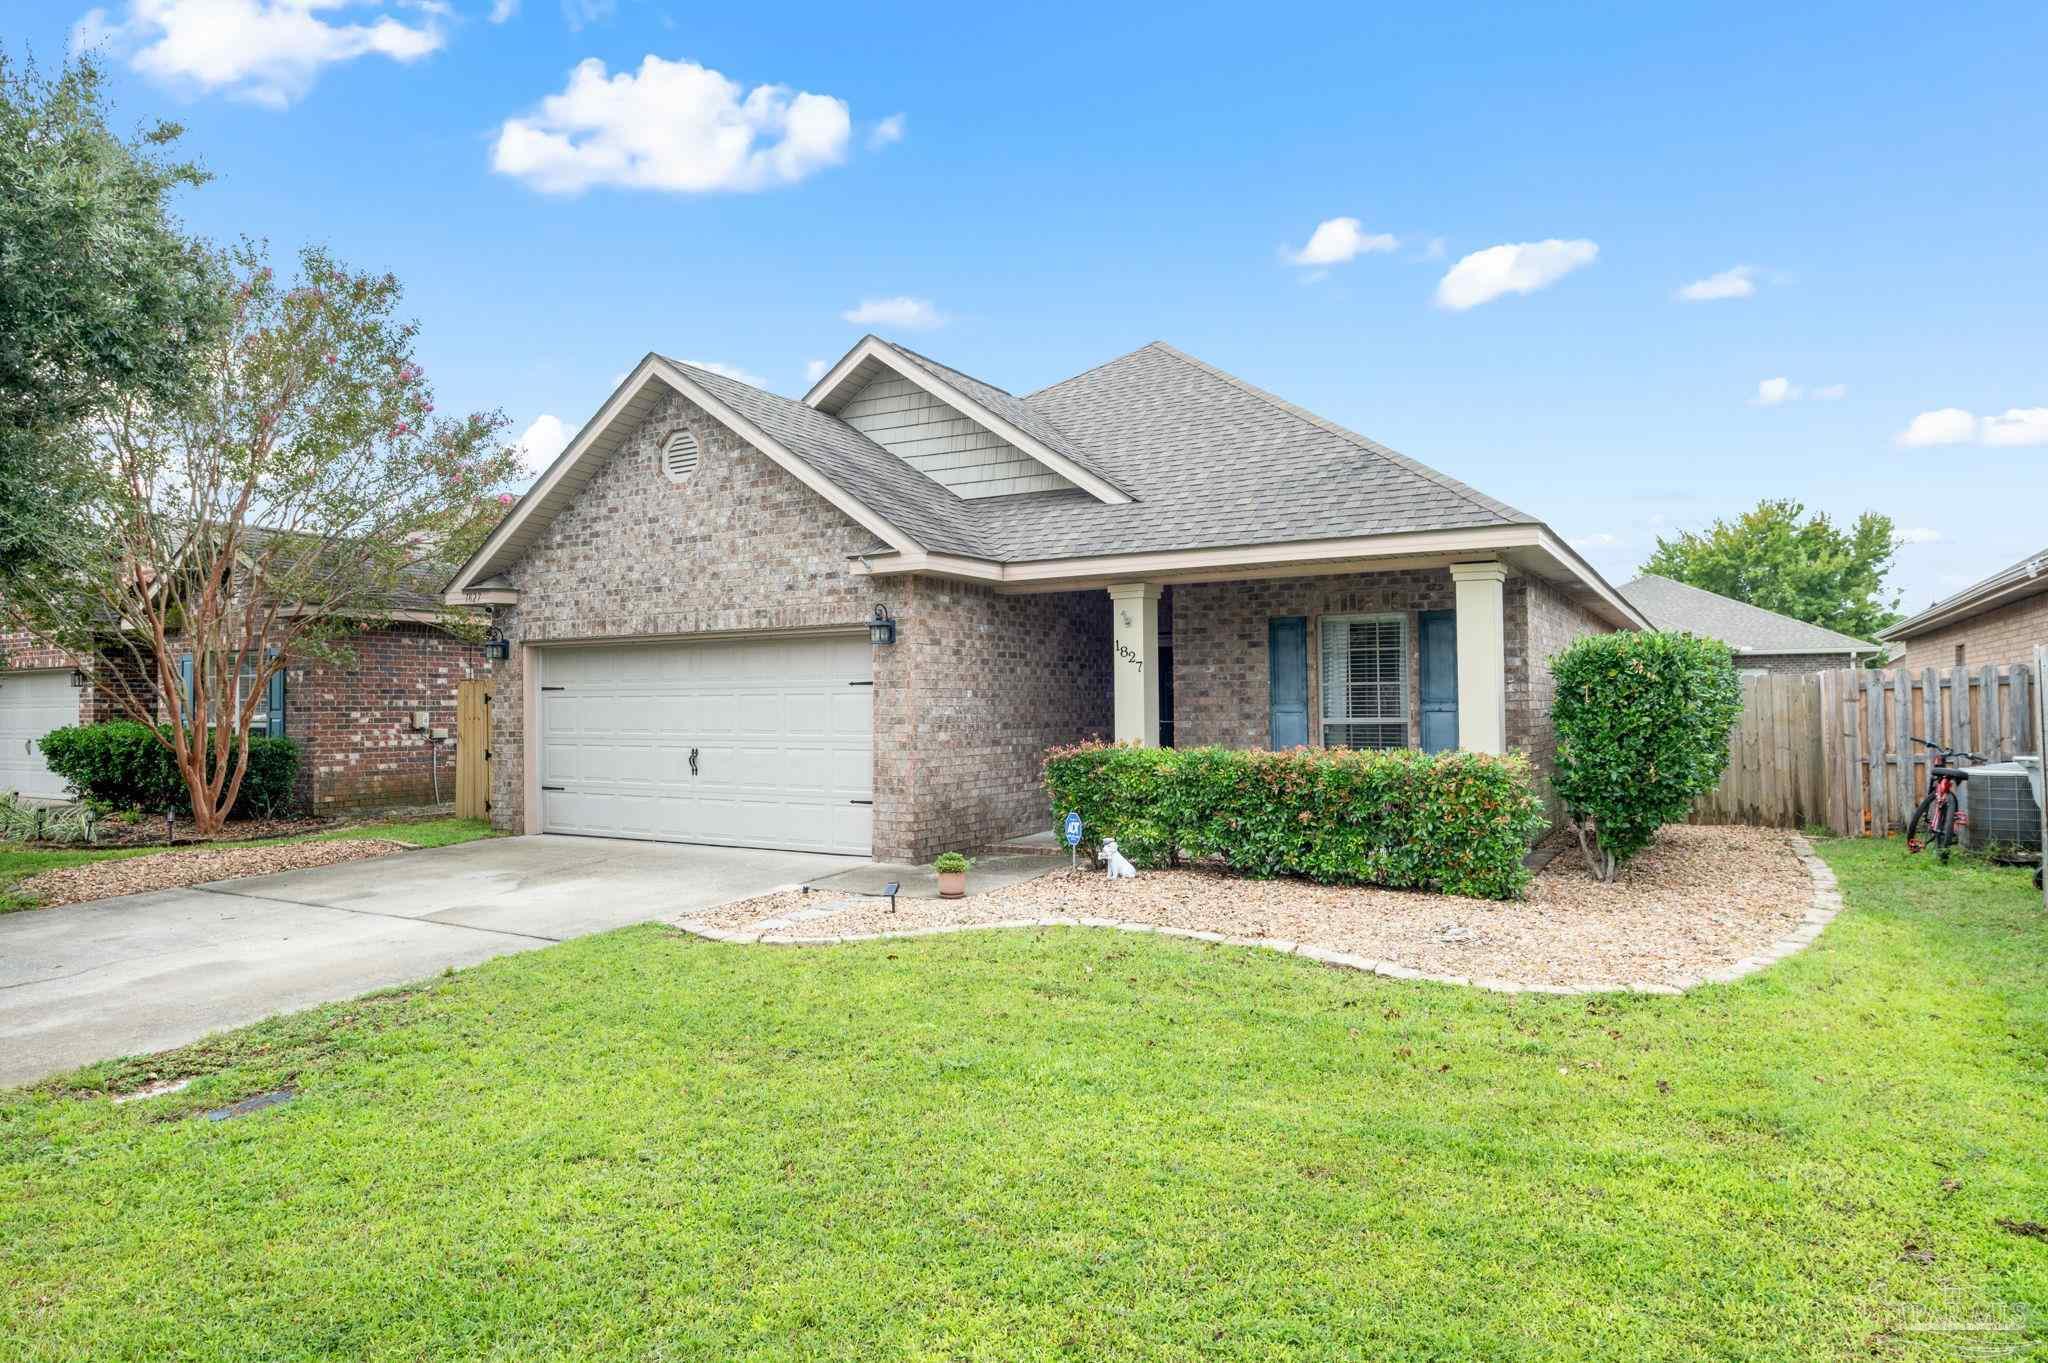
18,863
1073,1144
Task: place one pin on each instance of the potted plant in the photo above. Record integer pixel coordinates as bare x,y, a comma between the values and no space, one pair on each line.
952,869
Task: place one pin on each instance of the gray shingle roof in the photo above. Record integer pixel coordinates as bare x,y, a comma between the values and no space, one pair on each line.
1747,628
1209,460
895,491
1962,605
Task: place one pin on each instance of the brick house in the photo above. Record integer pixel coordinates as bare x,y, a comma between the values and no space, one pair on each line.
1998,621
360,746
1764,641
854,623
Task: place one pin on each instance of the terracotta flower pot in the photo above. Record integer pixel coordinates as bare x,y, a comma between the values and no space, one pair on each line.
952,884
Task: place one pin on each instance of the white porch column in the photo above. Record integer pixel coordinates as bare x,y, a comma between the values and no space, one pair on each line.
1134,659
1482,656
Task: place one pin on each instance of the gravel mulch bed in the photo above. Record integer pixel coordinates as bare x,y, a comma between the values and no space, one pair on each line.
1703,898
149,832
169,870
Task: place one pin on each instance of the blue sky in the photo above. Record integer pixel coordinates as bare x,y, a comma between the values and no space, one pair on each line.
1861,185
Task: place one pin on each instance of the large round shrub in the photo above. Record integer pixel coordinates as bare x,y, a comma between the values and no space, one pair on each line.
1642,731
121,763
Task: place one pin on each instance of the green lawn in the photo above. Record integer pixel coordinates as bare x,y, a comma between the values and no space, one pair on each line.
19,863
1072,1144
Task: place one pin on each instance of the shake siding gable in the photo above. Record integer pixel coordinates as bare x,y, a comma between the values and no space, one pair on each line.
941,443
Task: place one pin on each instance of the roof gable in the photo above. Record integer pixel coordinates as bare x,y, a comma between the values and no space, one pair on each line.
940,441
1007,418
1677,605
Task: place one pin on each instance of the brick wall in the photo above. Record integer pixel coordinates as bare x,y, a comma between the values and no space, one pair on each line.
976,689
1793,664
20,650
353,721
2003,636
1541,623
1221,683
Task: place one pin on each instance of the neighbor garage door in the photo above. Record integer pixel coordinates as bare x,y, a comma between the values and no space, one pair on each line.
32,704
747,743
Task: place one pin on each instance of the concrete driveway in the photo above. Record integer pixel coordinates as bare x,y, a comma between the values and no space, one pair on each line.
146,972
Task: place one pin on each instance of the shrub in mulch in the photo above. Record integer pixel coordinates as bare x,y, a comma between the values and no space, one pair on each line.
1457,822
122,764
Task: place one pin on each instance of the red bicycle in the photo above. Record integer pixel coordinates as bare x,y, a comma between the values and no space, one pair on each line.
1940,813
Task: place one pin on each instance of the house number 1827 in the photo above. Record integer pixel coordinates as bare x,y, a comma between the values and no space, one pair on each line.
1129,654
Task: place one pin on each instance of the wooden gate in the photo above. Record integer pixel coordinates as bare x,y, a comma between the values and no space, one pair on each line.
473,750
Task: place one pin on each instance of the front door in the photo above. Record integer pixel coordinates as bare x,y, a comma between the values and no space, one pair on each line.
1287,680
1439,649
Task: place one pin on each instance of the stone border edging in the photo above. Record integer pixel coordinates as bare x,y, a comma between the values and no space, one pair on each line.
1827,902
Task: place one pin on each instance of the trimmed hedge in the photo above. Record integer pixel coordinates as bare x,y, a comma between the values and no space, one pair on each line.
1457,822
1642,730
121,764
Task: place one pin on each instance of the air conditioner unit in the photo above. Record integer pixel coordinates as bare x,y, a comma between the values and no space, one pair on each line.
2005,805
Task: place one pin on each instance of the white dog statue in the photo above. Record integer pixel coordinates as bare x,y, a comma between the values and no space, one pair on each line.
1120,867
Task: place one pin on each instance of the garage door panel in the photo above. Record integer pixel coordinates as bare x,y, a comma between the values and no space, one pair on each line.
784,740
32,704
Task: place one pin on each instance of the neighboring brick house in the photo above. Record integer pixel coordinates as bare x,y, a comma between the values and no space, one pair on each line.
1764,641
1998,621
360,748
854,623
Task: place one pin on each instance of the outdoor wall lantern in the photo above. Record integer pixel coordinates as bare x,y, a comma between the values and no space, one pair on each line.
78,676
881,627
497,647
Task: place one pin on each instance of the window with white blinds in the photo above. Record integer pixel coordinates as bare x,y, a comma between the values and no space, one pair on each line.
1365,681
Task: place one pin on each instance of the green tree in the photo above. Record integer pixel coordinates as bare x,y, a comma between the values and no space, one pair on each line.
1779,558
101,297
293,499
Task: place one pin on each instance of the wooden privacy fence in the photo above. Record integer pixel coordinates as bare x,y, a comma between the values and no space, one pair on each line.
473,750
1836,748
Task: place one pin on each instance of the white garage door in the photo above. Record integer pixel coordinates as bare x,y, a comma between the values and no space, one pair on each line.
746,743
32,704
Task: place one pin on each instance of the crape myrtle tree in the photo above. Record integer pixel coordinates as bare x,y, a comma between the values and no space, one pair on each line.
274,511
101,297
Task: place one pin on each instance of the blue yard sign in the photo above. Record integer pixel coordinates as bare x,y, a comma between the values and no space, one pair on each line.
1072,829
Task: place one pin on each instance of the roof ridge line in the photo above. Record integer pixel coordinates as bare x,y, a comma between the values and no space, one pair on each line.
1508,515
1061,383
950,369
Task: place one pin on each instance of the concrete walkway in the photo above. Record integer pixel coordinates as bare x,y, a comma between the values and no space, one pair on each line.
146,972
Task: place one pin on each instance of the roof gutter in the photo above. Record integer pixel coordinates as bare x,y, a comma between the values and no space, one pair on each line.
2022,579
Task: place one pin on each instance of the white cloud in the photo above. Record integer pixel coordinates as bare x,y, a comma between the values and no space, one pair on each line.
2019,426
730,371
673,126
815,370
1738,282
890,129
539,443
577,13
1337,240
1772,392
1519,267
501,10
269,52
1436,248
1920,535
1601,540
914,314
1945,426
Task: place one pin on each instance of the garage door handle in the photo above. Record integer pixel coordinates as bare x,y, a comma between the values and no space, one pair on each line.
693,761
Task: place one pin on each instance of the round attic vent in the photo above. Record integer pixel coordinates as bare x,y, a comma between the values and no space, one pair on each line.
679,456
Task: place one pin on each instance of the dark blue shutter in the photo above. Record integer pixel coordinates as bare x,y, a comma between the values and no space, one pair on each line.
1287,675
275,704
1439,649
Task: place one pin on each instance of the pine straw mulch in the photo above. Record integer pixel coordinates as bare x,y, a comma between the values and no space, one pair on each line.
148,831
1701,898
171,870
